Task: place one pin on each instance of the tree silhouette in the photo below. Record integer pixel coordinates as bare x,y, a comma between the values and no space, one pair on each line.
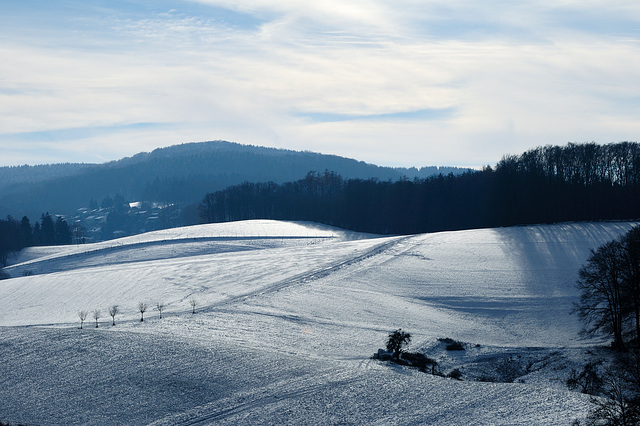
609,286
397,339
160,307
600,285
62,232
96,316
47,230
142,307
113,311
83,316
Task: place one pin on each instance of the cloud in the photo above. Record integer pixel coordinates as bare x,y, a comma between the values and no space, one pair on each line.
430,82
81,133
423,115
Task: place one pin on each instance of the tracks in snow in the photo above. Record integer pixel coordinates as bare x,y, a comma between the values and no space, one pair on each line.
313,275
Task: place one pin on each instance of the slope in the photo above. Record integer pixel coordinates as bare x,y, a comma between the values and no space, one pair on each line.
287,317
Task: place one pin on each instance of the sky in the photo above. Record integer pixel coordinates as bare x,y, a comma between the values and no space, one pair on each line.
390,82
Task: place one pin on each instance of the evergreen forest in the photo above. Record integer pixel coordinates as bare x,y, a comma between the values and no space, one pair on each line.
576,182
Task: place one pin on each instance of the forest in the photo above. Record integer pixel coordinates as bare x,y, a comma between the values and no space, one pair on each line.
576,182
16,235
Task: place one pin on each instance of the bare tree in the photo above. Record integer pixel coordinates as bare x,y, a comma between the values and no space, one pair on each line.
113,311
83,316
631,274
620,405
600,283
142,307
160,307
96,316
193,303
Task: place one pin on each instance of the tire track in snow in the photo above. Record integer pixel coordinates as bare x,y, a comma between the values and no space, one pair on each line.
312,275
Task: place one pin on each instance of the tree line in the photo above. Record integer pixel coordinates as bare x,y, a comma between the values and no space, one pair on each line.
16,235
576,182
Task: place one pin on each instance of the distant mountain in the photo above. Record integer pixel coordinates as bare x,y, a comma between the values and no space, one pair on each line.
33,174
177,174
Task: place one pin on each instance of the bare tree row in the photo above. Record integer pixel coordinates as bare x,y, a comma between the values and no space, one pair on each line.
114,310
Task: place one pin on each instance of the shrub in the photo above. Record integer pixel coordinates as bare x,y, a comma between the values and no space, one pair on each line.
510,369
455,346
455,374
452,345
418,360
588,380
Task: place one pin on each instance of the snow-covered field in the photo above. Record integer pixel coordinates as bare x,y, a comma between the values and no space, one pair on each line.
287,318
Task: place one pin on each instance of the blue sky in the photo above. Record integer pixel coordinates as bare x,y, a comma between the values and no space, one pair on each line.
399,83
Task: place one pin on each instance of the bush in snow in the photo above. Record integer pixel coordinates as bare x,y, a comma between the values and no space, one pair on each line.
510,368
455,374
620,389
193,303
588,380
395,353
453,345
417,360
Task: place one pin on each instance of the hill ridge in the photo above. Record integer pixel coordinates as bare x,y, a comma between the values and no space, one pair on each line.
175,174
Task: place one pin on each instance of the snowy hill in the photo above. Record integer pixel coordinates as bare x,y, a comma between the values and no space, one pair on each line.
287,318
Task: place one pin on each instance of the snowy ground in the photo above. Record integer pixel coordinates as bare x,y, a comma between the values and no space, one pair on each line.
287,318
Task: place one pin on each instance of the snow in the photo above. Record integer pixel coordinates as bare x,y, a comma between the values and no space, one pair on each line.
287,318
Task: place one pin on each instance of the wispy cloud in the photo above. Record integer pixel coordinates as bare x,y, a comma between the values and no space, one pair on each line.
425,114
72,134
448,82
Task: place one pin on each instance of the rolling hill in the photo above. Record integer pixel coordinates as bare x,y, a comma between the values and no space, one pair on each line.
176,174
287,318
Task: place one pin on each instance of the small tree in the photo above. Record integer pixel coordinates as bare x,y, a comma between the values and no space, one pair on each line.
113,311
83,316
193,303
160,307
142,307
397,339
96,316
